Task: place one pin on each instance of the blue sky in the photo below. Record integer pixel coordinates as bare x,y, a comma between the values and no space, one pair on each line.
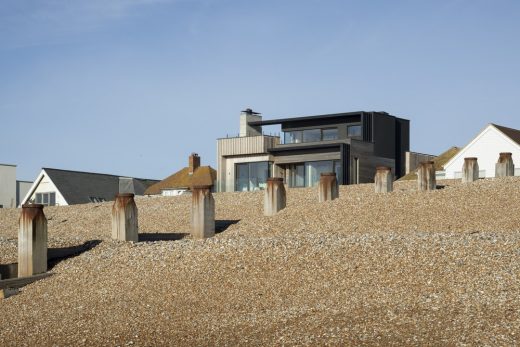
133,87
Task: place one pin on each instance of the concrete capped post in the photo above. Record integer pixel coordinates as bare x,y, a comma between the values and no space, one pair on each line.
32,241
470,170
275,197
124,218
328,187
384,180
426,176
505,166
202,212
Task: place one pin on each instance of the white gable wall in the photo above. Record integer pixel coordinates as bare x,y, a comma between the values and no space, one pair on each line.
44,184
486,147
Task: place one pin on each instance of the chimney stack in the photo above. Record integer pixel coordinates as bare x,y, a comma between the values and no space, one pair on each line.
194,163
246,116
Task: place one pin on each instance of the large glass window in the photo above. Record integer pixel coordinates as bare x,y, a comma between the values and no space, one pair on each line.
310,135
354,130
251,176
330,134
293,137
308,174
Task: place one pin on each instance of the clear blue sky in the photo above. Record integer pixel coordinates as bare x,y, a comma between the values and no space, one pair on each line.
133,87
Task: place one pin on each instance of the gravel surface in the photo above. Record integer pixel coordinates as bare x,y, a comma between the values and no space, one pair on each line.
405,268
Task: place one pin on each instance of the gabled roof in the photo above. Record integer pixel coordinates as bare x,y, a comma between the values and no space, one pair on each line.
513,134
203,175
77,187
438,163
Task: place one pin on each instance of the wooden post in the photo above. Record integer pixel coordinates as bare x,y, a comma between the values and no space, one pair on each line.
202,212
384,180
124,218
426,176
328,187
32,241
470,170
275,196
505,166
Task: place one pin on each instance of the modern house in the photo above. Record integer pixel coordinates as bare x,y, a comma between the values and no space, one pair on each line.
486,147
11,189
351,144
183,180
63,187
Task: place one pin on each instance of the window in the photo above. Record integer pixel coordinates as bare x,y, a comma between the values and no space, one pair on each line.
330,134
48,199
354,130
251,176
96,199
308,174
293,137
310,135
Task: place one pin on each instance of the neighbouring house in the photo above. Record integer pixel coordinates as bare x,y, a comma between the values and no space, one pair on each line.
351,144
183,180
438,163
11,189
64,187
486,147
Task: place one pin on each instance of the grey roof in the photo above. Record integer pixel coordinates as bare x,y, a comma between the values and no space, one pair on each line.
513,134
78,187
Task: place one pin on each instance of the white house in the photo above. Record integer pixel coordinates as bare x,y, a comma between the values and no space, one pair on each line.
486,147
55,187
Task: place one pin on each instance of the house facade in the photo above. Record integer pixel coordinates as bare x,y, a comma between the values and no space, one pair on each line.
486,147
56,187
351,144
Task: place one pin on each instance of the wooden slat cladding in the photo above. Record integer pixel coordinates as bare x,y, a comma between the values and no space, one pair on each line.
246,145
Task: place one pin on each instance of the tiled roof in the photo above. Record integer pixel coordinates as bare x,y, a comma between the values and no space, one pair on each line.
203,175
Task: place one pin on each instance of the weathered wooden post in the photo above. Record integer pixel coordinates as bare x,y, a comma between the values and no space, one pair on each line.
32,241
275,197
505,166
470,170
124,218
328,187
384,180
426,176
202,212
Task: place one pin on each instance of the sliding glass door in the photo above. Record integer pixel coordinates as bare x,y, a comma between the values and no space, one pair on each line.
308,174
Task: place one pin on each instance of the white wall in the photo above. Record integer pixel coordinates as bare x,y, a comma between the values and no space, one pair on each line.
7,185
486,147
45,185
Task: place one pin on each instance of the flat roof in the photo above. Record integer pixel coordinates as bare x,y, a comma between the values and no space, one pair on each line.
7,165
322,116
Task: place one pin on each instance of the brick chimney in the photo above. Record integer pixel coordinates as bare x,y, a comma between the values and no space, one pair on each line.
194,163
